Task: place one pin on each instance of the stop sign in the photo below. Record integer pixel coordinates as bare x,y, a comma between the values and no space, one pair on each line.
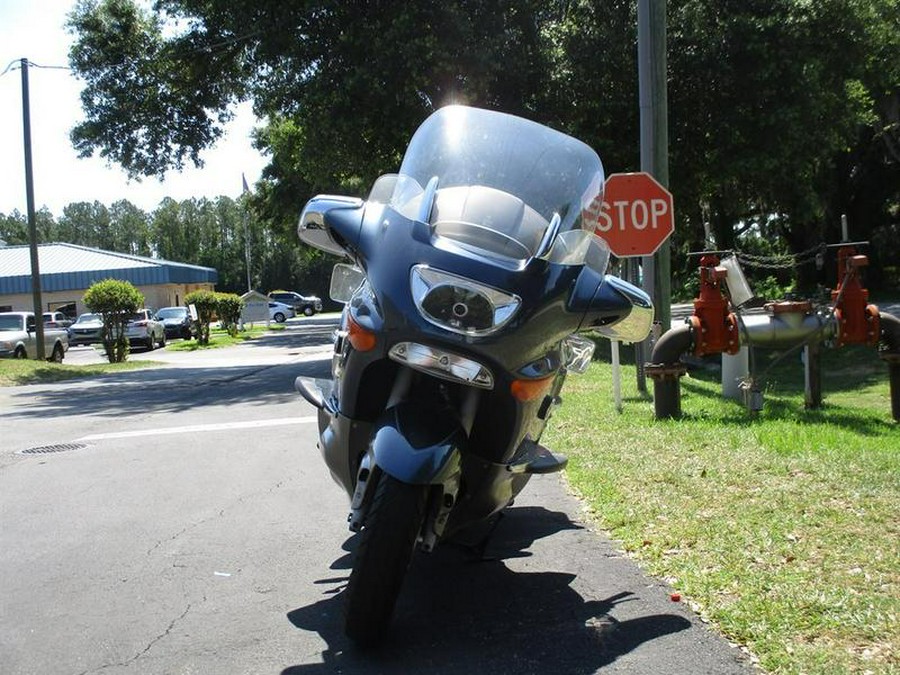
636,215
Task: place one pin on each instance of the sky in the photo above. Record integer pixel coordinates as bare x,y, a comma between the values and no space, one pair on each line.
34,29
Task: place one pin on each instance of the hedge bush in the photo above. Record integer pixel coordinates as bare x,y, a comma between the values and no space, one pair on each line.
115,301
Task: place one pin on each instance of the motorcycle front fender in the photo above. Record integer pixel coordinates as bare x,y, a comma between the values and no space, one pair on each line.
419,445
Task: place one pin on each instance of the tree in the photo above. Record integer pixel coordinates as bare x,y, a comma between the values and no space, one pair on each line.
766,98
783,113
169,233
86,224
129,229
350,79
115,301
14,228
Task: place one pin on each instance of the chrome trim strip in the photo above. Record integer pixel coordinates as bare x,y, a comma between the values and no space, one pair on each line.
549,236
442,364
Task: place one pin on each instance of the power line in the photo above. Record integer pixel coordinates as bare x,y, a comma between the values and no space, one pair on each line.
16,64
11,66
37,65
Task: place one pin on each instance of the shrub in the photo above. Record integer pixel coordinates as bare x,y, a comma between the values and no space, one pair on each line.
206,303
229,307
115,301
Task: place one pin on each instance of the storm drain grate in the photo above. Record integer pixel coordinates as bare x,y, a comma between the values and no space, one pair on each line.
48,449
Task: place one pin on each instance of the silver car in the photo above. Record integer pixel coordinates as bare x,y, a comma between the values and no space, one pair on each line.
87,330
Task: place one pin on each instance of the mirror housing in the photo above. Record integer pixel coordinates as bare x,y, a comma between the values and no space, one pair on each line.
635,324
312,228
614,308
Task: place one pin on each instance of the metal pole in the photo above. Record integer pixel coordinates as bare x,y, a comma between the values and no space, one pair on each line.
247,247
640,348
812,368
32,225
246,230
653,94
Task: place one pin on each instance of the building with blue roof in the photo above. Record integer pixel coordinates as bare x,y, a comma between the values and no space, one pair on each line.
67,271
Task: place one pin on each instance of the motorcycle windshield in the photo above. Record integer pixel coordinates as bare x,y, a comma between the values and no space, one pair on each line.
502,185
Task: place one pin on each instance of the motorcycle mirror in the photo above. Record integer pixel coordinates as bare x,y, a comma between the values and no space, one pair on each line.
635,324
312,229
345,279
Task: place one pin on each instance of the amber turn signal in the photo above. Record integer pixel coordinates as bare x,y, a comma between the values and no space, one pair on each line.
529,390
362,340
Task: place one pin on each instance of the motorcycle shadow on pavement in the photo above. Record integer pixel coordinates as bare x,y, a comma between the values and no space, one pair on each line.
462,614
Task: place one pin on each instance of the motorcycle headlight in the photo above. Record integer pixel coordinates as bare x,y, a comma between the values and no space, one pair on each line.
460,305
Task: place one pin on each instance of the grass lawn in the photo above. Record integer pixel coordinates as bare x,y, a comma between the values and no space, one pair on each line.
19,371
220,338
782,530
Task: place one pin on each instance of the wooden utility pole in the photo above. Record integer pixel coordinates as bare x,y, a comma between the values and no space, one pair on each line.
653,94
32,224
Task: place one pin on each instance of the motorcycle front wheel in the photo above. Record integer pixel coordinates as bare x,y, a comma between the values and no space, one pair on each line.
385,550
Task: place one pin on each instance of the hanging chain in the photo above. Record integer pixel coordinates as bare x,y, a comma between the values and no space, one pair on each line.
779,262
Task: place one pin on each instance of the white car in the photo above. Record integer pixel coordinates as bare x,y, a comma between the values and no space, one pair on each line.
144,329
280,312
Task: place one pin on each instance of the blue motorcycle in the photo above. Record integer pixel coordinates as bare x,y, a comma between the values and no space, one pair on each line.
471,273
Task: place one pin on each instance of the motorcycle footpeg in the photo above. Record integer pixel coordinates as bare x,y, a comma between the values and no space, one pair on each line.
534,458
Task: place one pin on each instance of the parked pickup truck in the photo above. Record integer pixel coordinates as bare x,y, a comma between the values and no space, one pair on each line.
18,338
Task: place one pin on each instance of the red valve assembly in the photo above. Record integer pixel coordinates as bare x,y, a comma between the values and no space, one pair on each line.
715,328
858,321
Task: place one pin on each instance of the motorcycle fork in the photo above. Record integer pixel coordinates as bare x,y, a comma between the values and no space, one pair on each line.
368,474
443,496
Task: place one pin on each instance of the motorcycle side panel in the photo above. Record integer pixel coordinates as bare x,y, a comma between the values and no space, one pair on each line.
342,444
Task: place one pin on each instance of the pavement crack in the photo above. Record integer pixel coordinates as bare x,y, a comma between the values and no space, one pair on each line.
172,538
162,636
239,501
150,645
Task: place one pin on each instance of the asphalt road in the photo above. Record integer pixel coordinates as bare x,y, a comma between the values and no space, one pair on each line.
193,528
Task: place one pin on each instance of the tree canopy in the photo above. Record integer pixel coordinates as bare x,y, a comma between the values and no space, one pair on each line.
784,114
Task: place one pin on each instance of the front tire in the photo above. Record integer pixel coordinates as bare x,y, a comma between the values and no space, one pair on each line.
20,353
309,311
385,550
279,317
58,353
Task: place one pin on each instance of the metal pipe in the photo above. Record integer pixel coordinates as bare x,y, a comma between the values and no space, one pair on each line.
778,330
889,350
666,370
787,329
